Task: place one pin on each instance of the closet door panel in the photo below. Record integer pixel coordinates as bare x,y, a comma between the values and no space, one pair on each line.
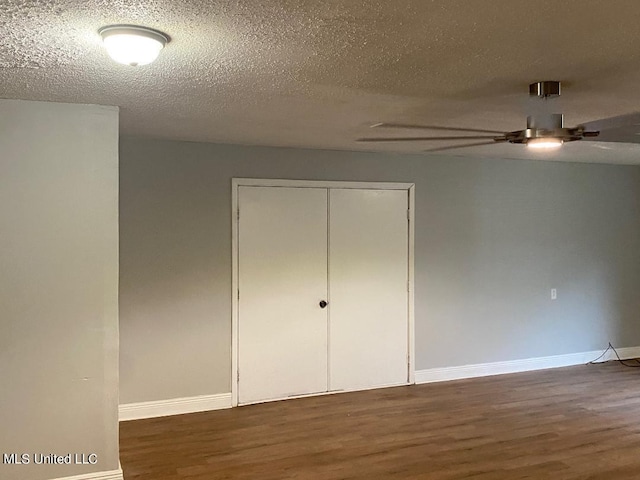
368,298
282,267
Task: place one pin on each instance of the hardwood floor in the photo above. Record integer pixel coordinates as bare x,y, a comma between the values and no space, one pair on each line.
571,423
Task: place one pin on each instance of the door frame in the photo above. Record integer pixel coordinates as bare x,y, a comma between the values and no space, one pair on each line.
258,182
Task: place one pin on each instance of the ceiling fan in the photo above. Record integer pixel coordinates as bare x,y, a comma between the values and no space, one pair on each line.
543,131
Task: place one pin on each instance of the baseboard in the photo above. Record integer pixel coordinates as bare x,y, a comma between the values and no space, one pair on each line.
174,406
107,475
203,403
514,366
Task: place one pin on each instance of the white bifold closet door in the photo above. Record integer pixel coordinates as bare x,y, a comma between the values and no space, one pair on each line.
368,295
298,247
282,267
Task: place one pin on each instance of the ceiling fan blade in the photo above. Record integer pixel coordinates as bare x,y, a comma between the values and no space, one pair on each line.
614,122
451,147
433,127
620,129
421,139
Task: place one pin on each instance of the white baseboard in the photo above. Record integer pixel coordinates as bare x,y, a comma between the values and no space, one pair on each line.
203,403
174,406
514,366
108,475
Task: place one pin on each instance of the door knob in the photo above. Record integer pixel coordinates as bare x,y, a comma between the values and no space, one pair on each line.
322,304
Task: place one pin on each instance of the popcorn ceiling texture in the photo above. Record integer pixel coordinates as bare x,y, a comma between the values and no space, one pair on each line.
315,74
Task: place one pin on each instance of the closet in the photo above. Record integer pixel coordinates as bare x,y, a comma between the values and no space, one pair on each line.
322,282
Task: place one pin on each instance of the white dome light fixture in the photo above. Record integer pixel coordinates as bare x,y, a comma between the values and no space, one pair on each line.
133,45
542,143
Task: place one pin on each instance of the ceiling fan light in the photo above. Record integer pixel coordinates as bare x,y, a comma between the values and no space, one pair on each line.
545,143
133,45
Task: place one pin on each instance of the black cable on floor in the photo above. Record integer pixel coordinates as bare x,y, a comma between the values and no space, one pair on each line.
611,347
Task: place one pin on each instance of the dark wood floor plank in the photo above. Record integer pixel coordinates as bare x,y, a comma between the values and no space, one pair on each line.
575,423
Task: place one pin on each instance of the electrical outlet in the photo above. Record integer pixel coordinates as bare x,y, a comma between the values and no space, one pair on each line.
554,294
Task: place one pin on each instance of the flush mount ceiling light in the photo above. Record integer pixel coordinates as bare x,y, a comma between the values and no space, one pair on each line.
545,143
133,45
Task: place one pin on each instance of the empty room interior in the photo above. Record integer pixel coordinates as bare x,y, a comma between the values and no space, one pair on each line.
319,240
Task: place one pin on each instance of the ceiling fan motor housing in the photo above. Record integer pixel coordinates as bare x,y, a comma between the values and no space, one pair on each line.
545,126
551,121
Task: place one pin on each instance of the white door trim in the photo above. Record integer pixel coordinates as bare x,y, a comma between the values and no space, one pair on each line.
239,182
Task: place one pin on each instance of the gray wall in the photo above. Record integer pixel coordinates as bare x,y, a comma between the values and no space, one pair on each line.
492,238
58,285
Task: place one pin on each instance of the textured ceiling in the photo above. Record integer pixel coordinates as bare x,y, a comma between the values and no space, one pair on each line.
317,74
